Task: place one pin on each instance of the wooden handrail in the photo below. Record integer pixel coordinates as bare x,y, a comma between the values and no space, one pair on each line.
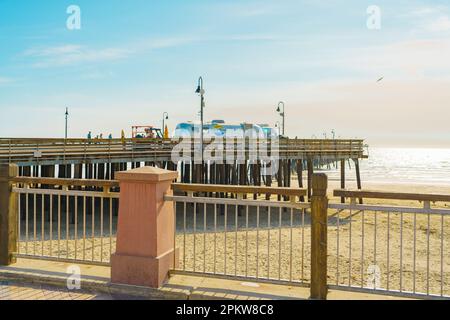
24,144
239,189
366,194
67,182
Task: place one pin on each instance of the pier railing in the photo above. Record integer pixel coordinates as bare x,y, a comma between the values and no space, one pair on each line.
78,151
401,249
242,232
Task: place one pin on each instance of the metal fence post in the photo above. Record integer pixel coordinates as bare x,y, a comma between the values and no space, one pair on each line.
319,208
8,214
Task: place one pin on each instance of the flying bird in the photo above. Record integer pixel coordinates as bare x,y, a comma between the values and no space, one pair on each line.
380,79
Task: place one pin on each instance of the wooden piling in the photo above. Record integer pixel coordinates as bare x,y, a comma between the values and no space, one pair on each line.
300,177
280,176
358,178
310,168
342,178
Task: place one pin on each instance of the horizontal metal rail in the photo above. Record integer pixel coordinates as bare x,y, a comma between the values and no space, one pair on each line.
239,202
390,293
426,209
366,194
76,193
239,189
66,182
242,278
63,260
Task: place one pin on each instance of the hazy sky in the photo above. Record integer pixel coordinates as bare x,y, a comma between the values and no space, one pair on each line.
133,60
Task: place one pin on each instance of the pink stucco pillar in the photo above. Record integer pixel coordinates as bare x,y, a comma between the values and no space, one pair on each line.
145,248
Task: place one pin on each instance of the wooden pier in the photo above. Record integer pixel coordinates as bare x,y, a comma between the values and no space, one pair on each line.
100,159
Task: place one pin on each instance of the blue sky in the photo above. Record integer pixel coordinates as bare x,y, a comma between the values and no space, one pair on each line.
133,60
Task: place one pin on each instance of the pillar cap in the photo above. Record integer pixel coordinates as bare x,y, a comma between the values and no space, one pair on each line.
146,174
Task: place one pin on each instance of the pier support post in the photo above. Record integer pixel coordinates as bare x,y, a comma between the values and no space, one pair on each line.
319,225
310,166
358,178
145,233
8,215
300,177
342,178
280,176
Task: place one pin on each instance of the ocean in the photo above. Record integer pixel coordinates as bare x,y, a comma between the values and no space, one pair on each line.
401,166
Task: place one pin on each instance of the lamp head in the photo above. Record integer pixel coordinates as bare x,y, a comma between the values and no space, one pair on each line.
278,109
199,90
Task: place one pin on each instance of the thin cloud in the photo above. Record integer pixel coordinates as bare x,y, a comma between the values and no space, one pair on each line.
164,42
53,51
403,59
4,80
74,54
250,10
431,19
440,24
70,54
423,12
256,12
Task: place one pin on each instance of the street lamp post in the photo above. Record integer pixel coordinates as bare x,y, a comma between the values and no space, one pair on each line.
165,117
282,114
201,91
67,116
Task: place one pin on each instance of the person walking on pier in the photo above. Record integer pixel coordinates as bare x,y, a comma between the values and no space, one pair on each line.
122,137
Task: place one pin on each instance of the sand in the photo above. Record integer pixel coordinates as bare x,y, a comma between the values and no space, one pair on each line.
82,243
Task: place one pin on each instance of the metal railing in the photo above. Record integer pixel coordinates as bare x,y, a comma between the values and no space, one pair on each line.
66,220
382,248
223,231
248,233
